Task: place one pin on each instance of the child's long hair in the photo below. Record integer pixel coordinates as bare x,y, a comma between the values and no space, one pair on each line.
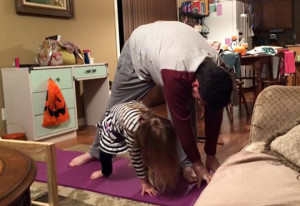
158,144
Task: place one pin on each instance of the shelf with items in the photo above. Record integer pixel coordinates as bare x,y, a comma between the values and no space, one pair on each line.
204,33
195,9
194,13
195,21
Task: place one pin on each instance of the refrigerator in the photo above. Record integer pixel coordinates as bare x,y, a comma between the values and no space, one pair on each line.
229,18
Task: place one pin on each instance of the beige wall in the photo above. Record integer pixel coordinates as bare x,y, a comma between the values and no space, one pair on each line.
93,27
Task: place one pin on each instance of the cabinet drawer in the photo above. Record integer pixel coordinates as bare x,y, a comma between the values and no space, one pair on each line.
43,131
39,99
39,78
90,71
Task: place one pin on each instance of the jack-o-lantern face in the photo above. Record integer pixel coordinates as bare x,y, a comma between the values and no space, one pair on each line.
55,110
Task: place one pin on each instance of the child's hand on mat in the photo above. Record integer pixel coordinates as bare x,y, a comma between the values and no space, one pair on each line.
147,188
96,175
201,173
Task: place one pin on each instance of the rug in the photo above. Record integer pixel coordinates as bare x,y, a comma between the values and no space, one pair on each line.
76,197
122,183
63,201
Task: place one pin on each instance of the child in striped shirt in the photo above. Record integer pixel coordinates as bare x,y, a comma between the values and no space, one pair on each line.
150,141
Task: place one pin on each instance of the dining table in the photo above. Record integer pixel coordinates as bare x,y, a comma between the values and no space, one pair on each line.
258,61
17,172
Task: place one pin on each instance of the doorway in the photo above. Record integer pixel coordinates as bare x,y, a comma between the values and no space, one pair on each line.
133,13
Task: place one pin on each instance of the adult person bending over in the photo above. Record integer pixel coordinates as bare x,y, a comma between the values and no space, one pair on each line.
175,57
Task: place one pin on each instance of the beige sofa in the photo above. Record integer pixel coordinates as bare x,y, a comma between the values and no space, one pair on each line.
252,177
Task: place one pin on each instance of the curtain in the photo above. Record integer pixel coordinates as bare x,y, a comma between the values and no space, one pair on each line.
139,12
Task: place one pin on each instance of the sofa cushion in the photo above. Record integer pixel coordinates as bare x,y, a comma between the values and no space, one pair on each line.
276,108
286,147
249,179
256,147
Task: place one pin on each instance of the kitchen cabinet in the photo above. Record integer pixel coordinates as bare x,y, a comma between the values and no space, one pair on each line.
276,14
25,91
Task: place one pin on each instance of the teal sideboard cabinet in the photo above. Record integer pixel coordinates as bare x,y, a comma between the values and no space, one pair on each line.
25,92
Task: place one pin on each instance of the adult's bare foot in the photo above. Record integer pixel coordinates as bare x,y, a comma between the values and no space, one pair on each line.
81,159
96,175
212,163
189,175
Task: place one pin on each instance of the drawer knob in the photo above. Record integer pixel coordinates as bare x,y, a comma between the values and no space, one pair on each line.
57,79
87,71
94,70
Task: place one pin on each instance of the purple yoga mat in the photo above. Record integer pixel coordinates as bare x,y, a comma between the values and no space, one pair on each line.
122,182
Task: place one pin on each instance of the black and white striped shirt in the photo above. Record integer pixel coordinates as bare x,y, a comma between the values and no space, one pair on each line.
117,134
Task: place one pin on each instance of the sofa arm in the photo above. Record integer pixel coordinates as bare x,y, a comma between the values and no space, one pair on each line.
276,108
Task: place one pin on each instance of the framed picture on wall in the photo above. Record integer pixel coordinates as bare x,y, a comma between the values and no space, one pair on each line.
51,8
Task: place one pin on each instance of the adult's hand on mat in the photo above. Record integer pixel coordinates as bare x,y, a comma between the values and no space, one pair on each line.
201,173
190,175
147,188
96,175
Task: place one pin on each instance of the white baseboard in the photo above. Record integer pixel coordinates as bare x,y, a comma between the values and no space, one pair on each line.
61,137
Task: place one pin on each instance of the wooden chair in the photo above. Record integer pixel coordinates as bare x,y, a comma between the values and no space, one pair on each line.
242,99
280,77
44,152
231,63
248,74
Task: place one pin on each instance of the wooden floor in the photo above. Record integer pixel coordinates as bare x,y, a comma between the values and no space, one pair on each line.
234,135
